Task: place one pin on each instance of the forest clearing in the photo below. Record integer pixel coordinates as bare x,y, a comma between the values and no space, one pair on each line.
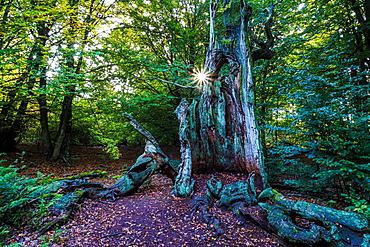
262,109
150,217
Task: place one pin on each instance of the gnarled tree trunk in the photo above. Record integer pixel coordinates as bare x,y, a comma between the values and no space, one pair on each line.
227,129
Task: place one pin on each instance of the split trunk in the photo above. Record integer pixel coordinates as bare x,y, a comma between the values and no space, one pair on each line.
227,137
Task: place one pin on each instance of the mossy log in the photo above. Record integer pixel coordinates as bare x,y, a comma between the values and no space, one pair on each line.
152,160
62,209
60,198
146,164
66,185
326,225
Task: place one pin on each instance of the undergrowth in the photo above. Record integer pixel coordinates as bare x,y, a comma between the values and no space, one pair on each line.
19,206
331,176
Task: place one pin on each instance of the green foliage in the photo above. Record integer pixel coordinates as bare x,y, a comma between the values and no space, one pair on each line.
110,145
16,197
331,176
49,240
313,102
358,205
14,193
14,190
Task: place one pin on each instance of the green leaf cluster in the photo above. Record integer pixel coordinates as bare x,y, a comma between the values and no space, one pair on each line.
312,98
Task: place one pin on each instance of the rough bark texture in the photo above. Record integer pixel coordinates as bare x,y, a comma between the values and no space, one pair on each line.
228,134
327,226
184,185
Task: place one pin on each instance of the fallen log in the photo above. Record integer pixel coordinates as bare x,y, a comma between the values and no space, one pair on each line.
62,209
327,225
146,164
152,160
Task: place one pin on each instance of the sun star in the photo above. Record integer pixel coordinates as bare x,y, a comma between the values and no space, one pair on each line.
201,77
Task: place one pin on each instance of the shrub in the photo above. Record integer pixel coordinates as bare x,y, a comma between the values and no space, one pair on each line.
314,170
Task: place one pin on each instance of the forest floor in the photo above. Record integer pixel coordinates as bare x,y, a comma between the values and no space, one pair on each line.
150,217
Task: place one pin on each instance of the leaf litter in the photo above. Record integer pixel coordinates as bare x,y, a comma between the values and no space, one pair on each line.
150,217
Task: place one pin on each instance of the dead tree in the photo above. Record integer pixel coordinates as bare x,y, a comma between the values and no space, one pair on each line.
226,135
184,185
153,159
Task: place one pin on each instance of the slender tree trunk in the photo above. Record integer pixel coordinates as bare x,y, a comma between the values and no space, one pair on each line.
74,66
62,143
40,68
44,121
227,124
61,147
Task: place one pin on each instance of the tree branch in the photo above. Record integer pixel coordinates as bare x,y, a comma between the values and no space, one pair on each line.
147,135
264,52
173,83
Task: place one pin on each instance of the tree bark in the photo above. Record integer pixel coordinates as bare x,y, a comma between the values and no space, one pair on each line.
227,125
184,185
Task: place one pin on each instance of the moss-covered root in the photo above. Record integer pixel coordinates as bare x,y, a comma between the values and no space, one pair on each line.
204,203
352,220
62,209
282,224
337,227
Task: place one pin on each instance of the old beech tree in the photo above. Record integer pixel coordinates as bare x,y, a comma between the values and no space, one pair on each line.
222,130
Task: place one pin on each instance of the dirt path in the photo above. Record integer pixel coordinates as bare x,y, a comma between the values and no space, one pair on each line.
150,217
153,217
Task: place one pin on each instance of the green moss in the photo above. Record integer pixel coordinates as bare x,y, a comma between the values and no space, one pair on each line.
117,177
276,196
79,192
294,229
98,173
51,195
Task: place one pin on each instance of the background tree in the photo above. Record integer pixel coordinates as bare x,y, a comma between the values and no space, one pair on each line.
147,58
316,114
23,44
